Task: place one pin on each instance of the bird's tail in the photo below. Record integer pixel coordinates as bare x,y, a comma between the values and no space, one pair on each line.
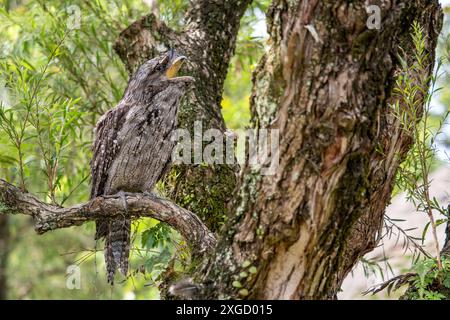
117,245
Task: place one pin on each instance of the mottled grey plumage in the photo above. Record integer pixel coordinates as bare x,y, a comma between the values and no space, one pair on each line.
132,147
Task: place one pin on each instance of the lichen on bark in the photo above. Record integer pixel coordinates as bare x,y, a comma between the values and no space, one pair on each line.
329,78
208,39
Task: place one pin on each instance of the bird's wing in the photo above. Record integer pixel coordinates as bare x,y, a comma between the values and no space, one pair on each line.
106,146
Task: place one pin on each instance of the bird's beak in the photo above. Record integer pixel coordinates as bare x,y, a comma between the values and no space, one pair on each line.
175,65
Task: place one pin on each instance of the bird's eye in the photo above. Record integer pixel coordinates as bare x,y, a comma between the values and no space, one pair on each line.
159,68
165,60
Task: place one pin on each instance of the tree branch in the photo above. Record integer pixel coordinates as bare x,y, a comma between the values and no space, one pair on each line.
50,217
393,139
208,39
324,84
144,39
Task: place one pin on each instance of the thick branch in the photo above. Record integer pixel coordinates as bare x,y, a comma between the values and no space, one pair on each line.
50,217
208,39
143,39
324,84
364,235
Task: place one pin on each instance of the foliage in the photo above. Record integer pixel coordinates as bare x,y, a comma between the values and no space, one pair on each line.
59,73
250,47
412,111
57,76
414,172
430,283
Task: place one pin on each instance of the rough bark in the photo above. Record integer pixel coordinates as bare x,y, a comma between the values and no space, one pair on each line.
325,84
393,139
49,217
208,40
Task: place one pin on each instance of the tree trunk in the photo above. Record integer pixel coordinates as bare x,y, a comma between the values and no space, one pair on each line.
208,41
325,84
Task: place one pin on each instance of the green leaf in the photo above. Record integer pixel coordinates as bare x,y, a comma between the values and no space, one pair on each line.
27,65
424,232
423,268
446,281
156,236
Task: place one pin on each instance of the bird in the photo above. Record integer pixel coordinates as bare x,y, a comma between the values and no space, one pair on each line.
132,146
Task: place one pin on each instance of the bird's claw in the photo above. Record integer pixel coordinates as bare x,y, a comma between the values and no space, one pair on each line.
149,194
123,196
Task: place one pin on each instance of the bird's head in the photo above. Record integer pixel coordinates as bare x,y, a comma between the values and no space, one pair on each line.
160,72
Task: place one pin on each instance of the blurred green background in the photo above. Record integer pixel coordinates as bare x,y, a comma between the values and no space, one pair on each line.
58,74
